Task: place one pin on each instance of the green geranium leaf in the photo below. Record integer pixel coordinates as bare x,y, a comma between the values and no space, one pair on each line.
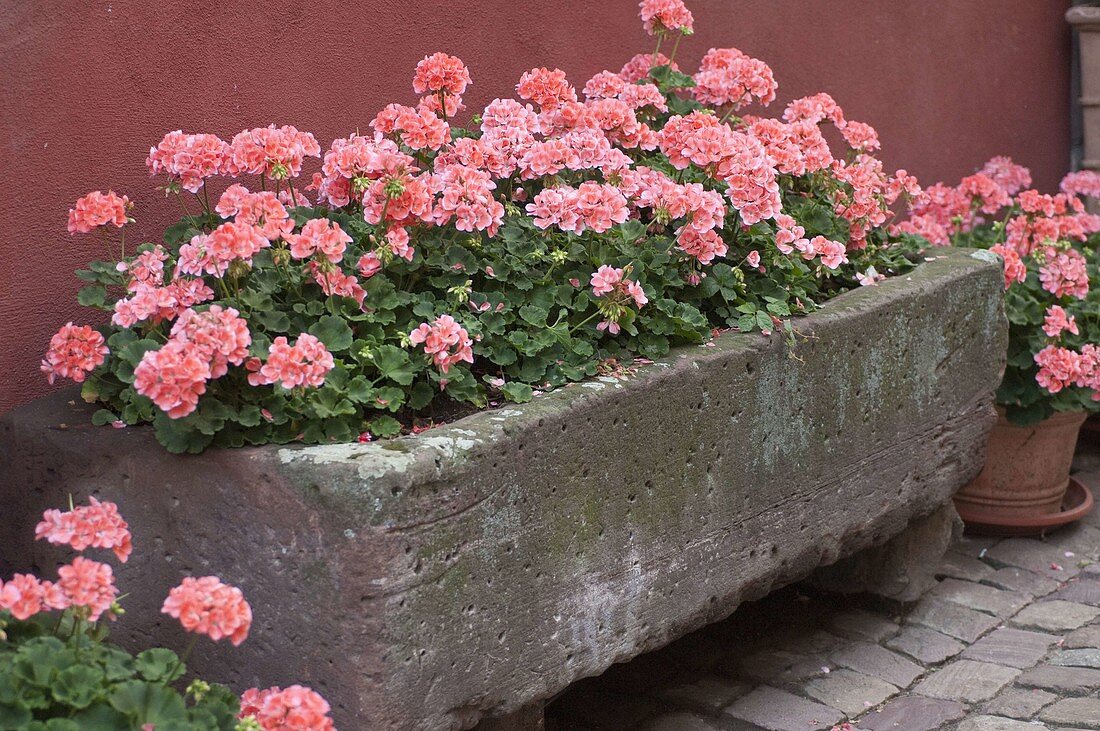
394,364
78,686
333,332
159,665
518,392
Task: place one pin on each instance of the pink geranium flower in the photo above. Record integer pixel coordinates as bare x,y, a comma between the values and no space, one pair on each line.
188,158
662,16
97,525
98,209
445,341
173,377
75,351
87,584
441,73
208,607
1056,321
23,596
320,235
304,364
296,708
546,88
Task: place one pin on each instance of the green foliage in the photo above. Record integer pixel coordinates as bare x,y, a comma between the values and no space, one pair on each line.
55,676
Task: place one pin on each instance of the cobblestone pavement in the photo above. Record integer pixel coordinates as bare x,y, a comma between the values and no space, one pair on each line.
1009,639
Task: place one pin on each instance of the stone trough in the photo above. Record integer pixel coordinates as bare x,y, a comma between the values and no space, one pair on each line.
473,570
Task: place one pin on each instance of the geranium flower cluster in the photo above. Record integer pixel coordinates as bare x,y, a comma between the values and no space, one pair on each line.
1047,243
445,341
84,586
86,589
421,260
98,209
295,708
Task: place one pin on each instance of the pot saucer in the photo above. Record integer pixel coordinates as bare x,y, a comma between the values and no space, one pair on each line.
1075,505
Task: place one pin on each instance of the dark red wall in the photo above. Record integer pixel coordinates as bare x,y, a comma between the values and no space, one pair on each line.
89,86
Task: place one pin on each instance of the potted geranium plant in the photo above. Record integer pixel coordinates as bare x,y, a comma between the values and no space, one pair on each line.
1052,378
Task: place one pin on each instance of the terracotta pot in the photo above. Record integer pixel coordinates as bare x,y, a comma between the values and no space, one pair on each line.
1026,469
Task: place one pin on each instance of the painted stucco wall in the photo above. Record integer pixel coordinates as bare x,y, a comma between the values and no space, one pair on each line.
89,86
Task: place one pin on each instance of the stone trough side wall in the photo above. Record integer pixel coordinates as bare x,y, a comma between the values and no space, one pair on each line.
423,582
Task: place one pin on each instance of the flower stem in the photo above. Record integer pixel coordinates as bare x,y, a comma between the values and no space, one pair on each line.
675,46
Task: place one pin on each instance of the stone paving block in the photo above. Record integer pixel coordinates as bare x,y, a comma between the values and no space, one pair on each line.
1084,637
1056,615
1017,579
878,662
778,710
1013,647
1081,539
1083,712
978,596
1082,658
913,713
779,666
1082,592
966,680
709,693
849,692
975,545
963,566
1061,680
679,721
858,624
952,619
818,642
1033,555
995,723
1019,702
926,646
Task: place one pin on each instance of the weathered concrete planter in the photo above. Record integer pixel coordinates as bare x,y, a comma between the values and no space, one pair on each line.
425,582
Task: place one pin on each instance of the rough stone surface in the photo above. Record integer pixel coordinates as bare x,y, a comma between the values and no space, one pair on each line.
925,645
1017,579
1080,592
1024,553
488,563
980,597
1061,679
994,723
709,693
902,569
1084,712
964,566
952,619
848,691
913,713
1084,637
1012,647
778,710
1056,615
966,680
1086,658
1019,702
878,662
529,718
861,625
